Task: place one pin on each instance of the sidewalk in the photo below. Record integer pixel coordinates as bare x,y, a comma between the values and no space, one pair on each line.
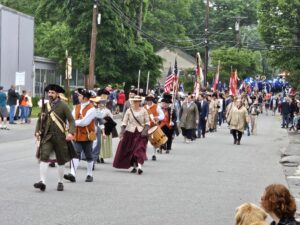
290,161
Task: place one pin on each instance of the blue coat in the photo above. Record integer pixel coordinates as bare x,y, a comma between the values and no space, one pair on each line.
203,110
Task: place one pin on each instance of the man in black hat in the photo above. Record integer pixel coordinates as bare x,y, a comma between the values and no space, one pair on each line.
85,134
55,136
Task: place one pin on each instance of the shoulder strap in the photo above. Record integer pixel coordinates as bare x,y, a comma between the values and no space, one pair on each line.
61,125
135,117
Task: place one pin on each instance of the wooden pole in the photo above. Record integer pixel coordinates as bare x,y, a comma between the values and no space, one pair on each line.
91,80
139,77
147,83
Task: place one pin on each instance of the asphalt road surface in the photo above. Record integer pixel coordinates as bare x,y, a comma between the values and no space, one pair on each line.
197,183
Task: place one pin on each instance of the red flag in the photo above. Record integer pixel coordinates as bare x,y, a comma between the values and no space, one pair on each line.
216,81
233,83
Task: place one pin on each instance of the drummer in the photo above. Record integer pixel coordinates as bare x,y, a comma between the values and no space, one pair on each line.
168,123
155,114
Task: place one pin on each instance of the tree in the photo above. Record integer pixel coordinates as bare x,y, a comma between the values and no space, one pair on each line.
279,23
247,63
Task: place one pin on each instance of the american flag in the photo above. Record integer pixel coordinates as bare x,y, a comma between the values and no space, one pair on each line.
171,77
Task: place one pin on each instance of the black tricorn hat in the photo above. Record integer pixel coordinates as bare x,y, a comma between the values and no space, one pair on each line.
149,97
133,91
167,98
54,87
84,92
103,92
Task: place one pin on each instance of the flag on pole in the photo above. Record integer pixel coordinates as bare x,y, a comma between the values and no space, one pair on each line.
233,82
199,75
171,78
216,80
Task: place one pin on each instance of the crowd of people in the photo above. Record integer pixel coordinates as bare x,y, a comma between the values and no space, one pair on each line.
14,106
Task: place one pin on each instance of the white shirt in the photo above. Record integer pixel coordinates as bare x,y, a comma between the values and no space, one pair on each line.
87,119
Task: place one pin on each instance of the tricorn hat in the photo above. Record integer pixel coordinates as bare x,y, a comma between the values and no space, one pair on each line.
167,98
103,93
84,92
149,97
136,98
54,87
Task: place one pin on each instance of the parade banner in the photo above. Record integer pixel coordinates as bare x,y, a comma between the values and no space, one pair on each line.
216,80
199,76
233,83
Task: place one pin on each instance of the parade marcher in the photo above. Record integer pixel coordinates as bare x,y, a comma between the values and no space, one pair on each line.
220,109
279,203
12,98
131,95
202,105
253,112
155,115
237,119
3,110
189,119
52,135
84,115
99,127
212,113
168,124
106,138
131,151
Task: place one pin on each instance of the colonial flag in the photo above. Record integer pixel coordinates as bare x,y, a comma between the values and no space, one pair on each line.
199,75
171,76
216,81
233,82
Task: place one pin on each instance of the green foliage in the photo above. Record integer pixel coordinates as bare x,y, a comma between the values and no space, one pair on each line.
279,23
35,101
245,61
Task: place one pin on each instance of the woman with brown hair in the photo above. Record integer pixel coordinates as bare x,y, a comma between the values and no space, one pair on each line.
278,202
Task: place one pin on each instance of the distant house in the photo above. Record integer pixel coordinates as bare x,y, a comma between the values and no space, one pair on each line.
184,60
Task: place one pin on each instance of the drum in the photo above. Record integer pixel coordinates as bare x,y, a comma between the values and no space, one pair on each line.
157,137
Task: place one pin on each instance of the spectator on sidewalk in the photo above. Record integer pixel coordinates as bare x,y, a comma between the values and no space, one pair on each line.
3,110
121,100
13,97
23,103
285,110
29,97
278,202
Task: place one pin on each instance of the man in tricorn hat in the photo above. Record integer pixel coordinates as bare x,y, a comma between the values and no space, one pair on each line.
55,136
85,134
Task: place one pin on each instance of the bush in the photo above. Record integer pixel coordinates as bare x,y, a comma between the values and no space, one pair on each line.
35,101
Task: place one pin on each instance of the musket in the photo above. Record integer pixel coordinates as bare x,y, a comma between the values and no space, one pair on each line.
42,125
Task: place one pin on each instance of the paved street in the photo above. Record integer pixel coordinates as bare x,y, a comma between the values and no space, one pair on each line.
198,183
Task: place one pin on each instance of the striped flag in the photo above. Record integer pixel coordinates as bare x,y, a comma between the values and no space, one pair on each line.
171,77
216,80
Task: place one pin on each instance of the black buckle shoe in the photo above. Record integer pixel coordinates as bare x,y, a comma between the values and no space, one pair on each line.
133,170
70,177
154,158
168,151
89,178
40,185
60,186
140,171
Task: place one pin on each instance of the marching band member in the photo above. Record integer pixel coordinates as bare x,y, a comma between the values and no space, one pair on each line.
84,115
189,119
131,151
168,123
155,114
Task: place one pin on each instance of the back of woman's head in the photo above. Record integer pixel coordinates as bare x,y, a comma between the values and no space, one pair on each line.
277,199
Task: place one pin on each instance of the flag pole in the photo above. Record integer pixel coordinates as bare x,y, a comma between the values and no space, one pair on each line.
139,77
147,82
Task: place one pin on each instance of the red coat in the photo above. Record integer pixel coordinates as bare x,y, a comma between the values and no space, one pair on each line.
121,99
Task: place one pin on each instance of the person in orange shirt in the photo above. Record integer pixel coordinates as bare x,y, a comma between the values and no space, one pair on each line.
155,114
23,104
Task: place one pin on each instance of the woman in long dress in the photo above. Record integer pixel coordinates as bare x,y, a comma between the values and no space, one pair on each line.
131,151
106,138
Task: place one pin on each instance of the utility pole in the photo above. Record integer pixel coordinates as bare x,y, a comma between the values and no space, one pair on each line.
206,43
91,77
238,30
